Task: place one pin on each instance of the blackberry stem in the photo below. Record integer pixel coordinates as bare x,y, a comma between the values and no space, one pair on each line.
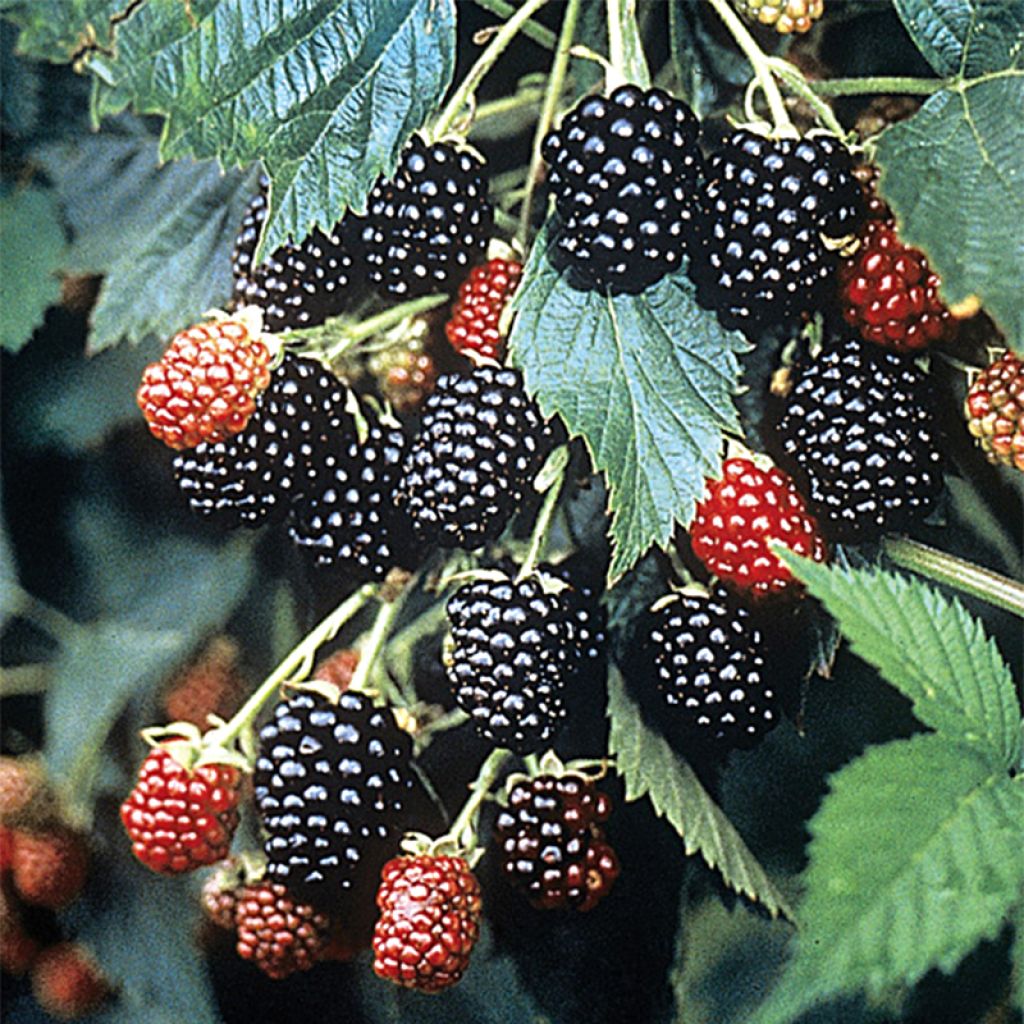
480,789
369,650
538,33
463,95
794,79
542,525
295,666
868,86
551,97
760,62
967,577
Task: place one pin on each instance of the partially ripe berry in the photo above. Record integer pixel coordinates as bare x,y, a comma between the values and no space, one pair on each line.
49,869
785,16
277,933
178,819
429,921
995,411
744,512
204,387
211,685
67,982
473,326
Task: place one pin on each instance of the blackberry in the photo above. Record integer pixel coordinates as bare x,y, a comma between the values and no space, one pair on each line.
513,651
348,517
623,170
426,226
709,664
297,285
330,785
481,442
859,431
588,614
254,477
552,842
766,210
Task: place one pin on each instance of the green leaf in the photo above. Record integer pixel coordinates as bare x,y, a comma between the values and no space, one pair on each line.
965,37
31,246
649,767
929,648
914,859
325,94
1018,957
161,236
647,380
945,172
55,30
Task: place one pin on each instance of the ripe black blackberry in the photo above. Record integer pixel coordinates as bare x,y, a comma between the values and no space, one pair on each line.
427,226
297,285
482,440
331,783
859,434
513,651
765,213
254,477
623,170
709,665
552,842
348,517
589,615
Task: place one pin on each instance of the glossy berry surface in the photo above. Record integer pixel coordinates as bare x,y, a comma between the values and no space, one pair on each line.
513,651
995,410
622,170
49,869
482,441
552,844
279,934
765,213
860,437
785,16
254,478
429,921
738,518
204,387
474,322
178,819
296,286
331,784
426,226
348,517
67,982
709,666
889,293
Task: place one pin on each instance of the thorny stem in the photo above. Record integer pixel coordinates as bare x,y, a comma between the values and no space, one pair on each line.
538,33
479,791
484,63
551,97
541,526
295,666
869,86
760,62
998,590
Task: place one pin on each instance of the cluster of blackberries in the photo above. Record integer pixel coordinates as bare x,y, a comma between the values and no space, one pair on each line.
759,218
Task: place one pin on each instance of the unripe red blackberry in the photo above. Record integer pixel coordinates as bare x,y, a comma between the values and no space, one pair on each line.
49,869
276,932
476,315
67,982
995,410
178,818
709,665
427,225
622,170
552,843
482,441
429,921
211,685
740,516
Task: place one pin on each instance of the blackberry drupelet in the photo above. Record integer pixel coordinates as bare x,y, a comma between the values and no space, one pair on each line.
297,285
860,431
766,210
623,170
426,226
552,842
513,651
709,665
330,785
253,478
588,614
482,440
348,517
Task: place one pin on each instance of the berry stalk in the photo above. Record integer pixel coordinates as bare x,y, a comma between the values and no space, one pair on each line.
295,666
795,80
371,648
551,97
998,590
466,822
906,86
464,94
625,48
531,29
557,464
